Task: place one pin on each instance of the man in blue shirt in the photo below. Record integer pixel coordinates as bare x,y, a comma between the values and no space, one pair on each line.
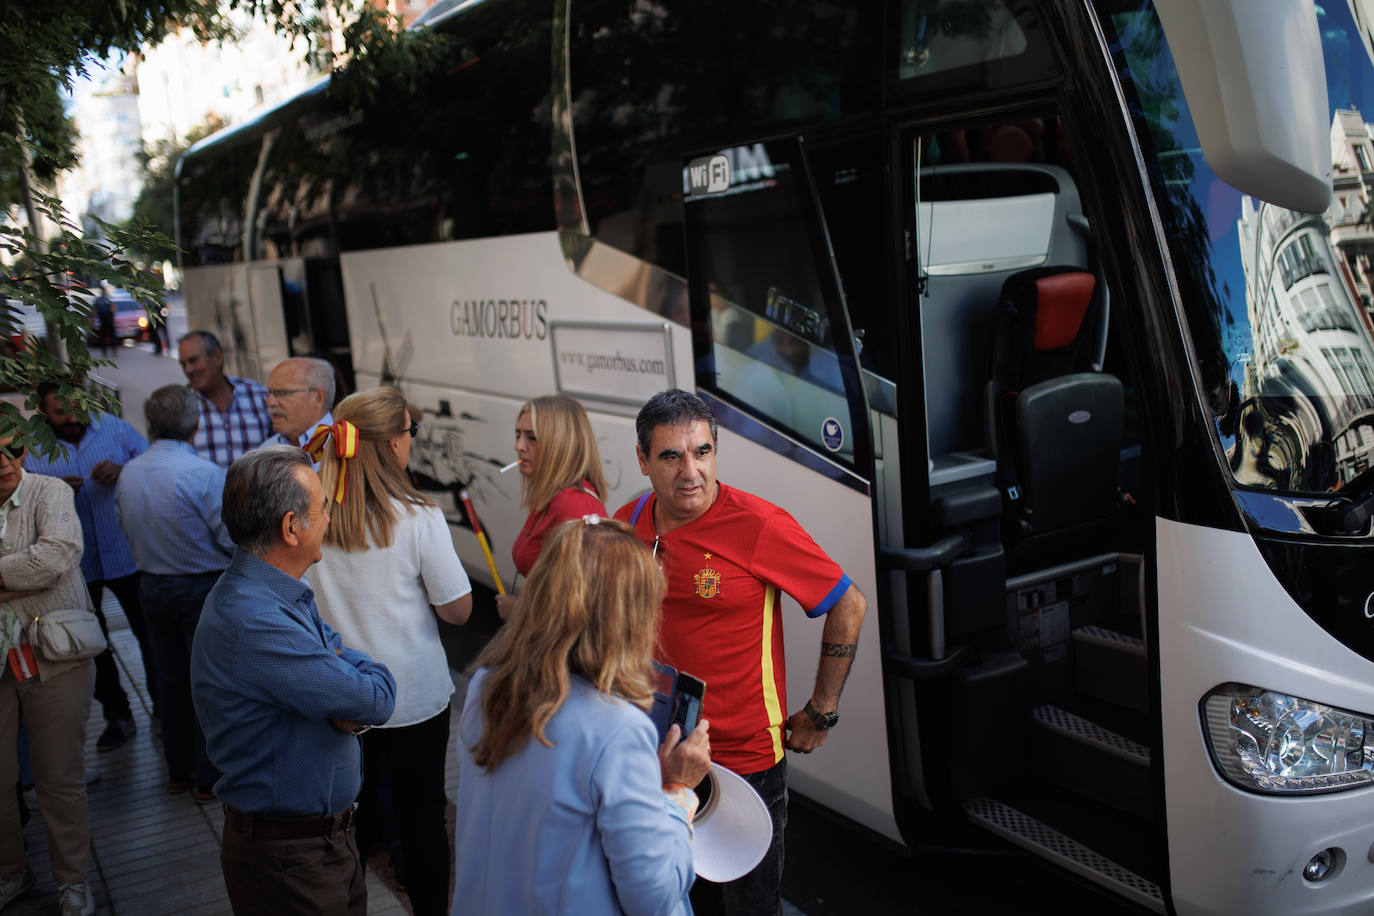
95,454
281,698
169,504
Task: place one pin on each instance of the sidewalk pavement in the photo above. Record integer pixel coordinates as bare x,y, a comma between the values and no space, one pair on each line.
137,373
154,853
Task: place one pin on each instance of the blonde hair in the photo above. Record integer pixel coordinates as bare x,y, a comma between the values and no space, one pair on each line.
376,480
589,608
567,451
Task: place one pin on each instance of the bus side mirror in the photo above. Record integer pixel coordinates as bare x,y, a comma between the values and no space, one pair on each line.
1255,80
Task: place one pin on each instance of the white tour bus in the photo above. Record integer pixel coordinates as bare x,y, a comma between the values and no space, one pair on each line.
1051,321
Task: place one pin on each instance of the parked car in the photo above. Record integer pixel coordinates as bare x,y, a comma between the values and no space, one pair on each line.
130,318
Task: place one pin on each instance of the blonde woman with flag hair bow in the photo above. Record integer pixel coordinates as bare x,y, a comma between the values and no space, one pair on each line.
388,575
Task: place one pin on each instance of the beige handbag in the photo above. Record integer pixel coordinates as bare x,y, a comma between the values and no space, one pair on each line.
67,635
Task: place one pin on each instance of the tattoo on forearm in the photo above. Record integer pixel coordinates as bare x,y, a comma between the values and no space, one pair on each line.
839,650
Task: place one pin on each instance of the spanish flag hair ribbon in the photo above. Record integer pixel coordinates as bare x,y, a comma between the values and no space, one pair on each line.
345,436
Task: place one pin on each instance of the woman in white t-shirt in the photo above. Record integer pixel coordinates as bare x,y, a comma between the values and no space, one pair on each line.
389,572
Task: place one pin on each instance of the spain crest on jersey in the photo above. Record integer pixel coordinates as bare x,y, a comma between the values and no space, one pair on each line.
707,581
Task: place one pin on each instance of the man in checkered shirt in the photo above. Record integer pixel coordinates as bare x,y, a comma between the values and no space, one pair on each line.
233,411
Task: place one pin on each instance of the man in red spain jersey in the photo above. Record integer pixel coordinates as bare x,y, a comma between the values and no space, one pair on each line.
727,556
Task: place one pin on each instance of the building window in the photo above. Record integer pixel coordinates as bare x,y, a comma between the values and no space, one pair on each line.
1320,310
1362,156
1298,260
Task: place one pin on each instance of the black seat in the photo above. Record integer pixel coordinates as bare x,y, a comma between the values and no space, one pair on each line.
1054,426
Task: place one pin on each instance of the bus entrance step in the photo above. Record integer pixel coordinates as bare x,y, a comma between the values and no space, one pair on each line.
1076,728
1040,839
1111,666
1092,761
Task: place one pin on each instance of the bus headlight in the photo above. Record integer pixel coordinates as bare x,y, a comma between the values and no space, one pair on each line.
1283,745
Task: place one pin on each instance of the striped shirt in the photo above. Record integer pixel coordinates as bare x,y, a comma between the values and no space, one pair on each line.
107,438
224,435
169,502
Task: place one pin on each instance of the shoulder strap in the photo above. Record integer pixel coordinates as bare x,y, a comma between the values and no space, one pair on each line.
639,508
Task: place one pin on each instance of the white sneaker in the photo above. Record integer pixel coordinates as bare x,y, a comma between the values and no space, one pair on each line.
75,900
15,886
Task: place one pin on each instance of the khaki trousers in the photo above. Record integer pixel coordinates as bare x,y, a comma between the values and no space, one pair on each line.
55,713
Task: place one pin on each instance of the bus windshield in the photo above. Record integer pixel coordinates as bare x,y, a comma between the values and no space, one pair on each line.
1278,302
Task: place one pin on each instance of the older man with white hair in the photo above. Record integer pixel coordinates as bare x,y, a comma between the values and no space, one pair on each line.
300,392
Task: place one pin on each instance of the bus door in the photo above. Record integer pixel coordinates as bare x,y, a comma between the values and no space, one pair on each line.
1018,654
777,358
317,317
267,327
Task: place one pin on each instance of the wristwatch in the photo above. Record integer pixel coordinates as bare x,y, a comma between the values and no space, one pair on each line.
825,721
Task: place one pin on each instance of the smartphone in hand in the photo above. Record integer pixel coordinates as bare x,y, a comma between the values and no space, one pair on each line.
665,685
691,691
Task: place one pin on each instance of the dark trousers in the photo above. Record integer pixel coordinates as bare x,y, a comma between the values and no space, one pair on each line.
758,893
107,333
171,606
114,702
316,875
412,759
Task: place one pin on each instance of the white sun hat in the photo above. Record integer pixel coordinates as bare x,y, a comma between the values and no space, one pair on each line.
732,828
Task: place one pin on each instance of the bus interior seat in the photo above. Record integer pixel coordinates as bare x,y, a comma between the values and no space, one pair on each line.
1054,429
977,225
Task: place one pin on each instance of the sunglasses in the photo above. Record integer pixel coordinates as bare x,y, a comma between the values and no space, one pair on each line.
414,428
12,451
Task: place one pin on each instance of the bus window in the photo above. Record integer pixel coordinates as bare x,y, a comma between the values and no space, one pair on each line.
939,46
772,343
641,97
851,181
212,190
295,218
1277,301
937,35
459,150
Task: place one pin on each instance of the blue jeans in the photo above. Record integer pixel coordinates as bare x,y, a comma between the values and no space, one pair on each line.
758,893
171,609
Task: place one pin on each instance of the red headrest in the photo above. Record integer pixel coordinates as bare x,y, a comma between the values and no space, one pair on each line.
1061,301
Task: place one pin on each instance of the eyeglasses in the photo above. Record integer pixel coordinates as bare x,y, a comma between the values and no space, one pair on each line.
12,451
280,393
414,428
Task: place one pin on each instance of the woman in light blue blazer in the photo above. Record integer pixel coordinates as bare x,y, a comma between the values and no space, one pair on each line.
565,804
